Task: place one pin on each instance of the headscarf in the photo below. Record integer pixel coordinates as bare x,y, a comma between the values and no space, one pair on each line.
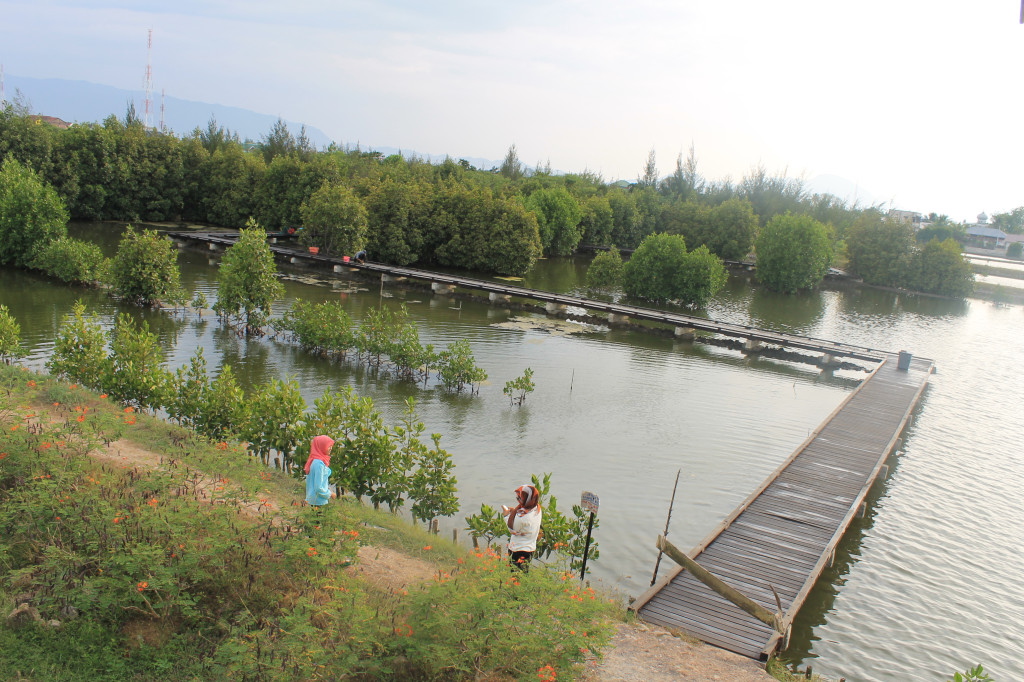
531,495
321,450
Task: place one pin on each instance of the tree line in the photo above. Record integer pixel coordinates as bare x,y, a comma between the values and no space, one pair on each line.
408,211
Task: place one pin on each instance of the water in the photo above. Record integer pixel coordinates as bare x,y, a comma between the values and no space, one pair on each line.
924,585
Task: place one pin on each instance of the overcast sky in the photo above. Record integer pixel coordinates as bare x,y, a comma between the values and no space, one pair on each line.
919,103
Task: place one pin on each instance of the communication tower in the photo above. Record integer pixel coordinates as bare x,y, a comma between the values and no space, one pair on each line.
149,81
163,128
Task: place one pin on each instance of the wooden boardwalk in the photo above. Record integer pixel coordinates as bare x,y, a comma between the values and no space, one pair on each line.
785,533
616,311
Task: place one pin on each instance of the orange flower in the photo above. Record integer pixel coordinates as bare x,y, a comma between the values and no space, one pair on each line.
60,444
428,547
142,585
117,519
546,673
56,404
130,420
222,445
80,418
46,446
129,409
103,395
3,455
153,502
311,552
15,427
31,383
74,385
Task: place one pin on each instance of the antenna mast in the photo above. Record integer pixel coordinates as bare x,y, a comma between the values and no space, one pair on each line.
149,81
163,128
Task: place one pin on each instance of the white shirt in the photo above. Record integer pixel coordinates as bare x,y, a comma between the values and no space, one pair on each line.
525,530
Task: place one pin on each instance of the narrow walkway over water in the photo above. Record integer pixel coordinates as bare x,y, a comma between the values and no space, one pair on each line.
445,283
785,533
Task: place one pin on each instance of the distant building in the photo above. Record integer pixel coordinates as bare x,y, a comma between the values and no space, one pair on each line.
984,235
52,120
911,217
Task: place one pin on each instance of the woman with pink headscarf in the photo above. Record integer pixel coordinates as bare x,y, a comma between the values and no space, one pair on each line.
318,472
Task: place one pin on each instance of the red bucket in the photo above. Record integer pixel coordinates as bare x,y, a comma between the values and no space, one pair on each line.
314,249
344,259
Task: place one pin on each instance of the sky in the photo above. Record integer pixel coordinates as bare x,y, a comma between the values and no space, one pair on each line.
918,104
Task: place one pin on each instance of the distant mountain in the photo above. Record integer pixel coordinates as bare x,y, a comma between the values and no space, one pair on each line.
83,102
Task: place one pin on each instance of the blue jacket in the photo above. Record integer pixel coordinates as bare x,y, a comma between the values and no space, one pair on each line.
318,490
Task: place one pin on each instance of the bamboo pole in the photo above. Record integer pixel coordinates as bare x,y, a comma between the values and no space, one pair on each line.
776,621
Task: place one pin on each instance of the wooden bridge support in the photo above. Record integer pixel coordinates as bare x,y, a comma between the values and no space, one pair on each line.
555,308
751,345
442,288
686,333
495,297
618,318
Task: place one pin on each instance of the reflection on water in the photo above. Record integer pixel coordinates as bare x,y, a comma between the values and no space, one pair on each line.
924,585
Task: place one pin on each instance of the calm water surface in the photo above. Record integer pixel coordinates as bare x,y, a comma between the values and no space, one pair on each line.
926,583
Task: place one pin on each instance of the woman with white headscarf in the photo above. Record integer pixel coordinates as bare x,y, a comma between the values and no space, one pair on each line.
524,524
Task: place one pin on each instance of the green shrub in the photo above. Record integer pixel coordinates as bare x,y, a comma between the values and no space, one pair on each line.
662,270
145,268
334,220
223,411
79,351
72,260
793,253
134,375
10,336
31,214
1015,250
605,272
517,389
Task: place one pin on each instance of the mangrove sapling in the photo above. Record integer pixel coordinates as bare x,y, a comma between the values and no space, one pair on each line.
134,375
274,415
518,388
248,282
223,411
79,351
456,367
188,393
199,303
145,268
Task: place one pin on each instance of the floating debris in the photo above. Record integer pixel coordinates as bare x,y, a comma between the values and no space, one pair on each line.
552,326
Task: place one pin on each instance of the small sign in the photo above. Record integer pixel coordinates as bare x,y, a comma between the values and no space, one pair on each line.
590,501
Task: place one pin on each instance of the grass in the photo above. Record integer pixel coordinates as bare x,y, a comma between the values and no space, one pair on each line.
186,569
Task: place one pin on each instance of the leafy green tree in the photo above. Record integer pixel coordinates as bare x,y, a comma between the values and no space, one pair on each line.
31,214
558,219
247,282
877,247
512,167
649,176
626,219
733,227
334,220
72,260
10,336
134,375
392,221
605,271
1011,221
597,220
145,268
79,351
793,253
940,268
1015,250
662,270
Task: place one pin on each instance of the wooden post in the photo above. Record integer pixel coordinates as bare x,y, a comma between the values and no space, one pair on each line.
455,535
776,621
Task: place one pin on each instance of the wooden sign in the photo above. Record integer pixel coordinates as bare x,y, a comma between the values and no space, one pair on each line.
590,501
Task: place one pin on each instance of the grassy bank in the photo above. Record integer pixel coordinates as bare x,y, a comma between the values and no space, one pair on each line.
133,549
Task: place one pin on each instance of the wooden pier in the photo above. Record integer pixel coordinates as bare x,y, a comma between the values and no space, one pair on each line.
442,282
785,533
